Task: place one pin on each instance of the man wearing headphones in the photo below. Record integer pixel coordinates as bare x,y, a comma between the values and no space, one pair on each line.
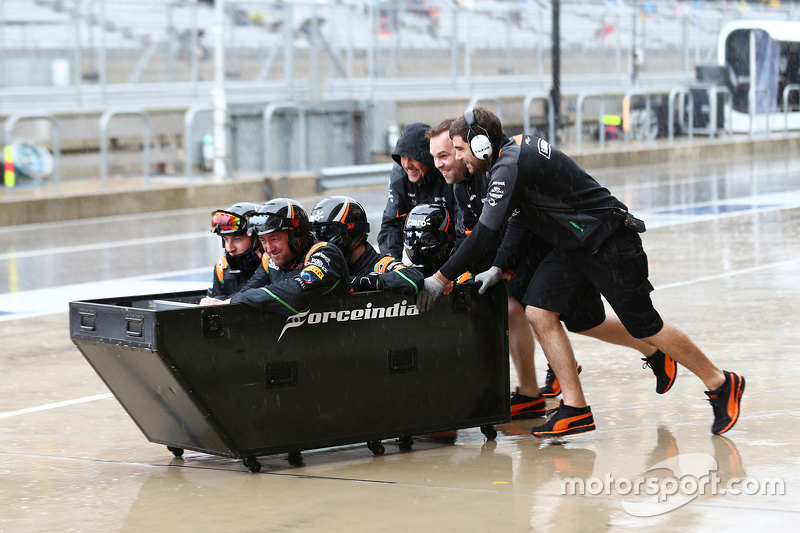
295,268
597,249
469,192
414,181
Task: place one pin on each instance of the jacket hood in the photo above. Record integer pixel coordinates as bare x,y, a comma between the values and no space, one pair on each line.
413,144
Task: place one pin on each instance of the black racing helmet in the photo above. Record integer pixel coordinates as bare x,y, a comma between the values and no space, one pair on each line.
342,221
232,220
283,214
429,235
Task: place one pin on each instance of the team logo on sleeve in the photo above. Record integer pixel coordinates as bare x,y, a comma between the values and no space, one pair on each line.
544,148
496,192
311,274
222,264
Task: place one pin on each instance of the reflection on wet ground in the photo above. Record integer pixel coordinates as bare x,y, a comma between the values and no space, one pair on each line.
71,457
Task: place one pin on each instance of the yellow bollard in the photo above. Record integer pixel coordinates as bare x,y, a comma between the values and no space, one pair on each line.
9,177
626,114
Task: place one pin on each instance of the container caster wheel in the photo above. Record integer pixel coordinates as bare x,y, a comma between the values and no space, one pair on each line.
252,464
177,452
404,443
489,432
376,447
295,458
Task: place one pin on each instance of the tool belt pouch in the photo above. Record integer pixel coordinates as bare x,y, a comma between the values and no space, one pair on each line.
631,222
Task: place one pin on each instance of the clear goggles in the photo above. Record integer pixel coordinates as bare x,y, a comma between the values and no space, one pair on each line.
225,221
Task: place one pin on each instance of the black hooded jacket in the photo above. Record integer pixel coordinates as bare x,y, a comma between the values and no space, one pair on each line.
404,195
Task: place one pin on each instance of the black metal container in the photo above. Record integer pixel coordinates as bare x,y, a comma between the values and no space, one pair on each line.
236,382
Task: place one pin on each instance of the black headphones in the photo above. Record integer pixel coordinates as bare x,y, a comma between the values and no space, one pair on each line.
478,139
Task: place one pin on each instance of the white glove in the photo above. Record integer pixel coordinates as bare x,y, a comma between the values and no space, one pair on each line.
488,278
431,290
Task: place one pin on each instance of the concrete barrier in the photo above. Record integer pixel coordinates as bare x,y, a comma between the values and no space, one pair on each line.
85,199
28,207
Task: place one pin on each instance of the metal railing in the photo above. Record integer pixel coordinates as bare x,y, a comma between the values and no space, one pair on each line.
269,111
728,103
792,87
188,135
551,119
481,97
671,112
751,110
579,119
104,120
647,94
354,175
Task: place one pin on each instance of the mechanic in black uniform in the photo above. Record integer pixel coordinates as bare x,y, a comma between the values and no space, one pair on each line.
597,246
342,221
295,269
414,180
242,251
469,192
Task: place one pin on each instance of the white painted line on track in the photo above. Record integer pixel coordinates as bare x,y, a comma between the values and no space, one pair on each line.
724,275
104,245
78,222
55,405
52,300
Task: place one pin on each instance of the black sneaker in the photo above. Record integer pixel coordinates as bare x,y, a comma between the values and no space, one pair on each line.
726,402
551,387
665,369
566,420
526,407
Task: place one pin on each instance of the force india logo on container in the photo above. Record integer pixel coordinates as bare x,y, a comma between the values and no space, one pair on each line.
348,315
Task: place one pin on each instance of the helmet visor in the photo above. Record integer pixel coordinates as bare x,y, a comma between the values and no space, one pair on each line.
328,232
423,238
262,223
224,221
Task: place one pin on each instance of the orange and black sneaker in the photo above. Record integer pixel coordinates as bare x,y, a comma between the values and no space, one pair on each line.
526,407
726,402
551,387
448,435
665,369
566,420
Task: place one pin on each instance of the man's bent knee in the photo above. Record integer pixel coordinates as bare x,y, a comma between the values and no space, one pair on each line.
515,309
541,318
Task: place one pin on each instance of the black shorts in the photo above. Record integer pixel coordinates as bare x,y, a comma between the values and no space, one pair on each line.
534,250
519,283
570,282
586,312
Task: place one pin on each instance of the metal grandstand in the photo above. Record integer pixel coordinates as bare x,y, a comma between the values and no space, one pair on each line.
95,53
